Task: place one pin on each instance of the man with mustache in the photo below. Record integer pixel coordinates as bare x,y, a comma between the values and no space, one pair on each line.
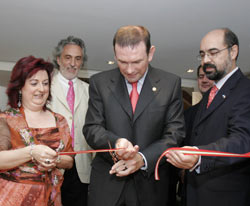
220,124
70,99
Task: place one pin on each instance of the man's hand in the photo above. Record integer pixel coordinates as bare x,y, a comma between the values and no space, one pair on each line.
126,167
129,150
178,159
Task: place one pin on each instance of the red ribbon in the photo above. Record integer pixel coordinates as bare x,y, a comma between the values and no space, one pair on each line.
89,151
193,151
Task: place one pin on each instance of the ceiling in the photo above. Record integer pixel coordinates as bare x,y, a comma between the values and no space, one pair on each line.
33,27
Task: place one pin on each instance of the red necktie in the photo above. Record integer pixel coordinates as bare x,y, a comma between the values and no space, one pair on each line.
71,102
212,95
134,96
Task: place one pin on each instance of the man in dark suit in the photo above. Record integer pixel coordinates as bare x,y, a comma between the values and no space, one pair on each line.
143,131
222,125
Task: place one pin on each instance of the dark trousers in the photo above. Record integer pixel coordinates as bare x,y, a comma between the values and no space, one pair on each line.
74,192
129,195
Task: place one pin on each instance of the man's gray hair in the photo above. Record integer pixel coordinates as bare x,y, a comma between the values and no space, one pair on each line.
69,40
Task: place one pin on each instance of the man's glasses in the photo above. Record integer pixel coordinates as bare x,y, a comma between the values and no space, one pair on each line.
112,153
212,53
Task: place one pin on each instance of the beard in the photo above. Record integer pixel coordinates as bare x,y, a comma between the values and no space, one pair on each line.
215,74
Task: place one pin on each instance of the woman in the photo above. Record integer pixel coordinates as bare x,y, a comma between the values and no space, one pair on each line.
30,138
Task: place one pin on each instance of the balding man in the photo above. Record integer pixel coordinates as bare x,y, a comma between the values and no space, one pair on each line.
221,123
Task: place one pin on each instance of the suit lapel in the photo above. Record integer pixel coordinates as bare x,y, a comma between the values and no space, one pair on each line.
149,90
201,109
58,92
119,89
220,97
78,94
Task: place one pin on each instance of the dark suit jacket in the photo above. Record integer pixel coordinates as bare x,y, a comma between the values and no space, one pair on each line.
189,116
156,125
224,126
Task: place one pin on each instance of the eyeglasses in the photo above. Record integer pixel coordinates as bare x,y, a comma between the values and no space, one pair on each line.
212,53
112,153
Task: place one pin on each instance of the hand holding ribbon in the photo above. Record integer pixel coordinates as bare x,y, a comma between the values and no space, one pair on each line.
195,151
180,160
128,151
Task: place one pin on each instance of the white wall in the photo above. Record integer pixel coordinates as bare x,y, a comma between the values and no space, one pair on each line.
5,68
3,98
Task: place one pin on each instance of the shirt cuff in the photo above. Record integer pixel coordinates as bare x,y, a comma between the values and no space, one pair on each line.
196,167
145,167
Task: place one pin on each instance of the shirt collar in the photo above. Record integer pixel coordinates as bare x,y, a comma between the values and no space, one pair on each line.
65,81
141,80
139,83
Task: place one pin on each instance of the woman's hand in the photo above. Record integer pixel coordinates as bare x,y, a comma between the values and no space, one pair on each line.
44,156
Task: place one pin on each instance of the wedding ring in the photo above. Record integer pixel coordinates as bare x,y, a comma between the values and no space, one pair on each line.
47,161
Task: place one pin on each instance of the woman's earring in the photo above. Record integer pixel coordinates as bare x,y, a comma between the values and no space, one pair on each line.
19,104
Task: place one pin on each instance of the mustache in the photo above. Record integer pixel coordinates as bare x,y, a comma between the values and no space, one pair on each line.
214,74
205,66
